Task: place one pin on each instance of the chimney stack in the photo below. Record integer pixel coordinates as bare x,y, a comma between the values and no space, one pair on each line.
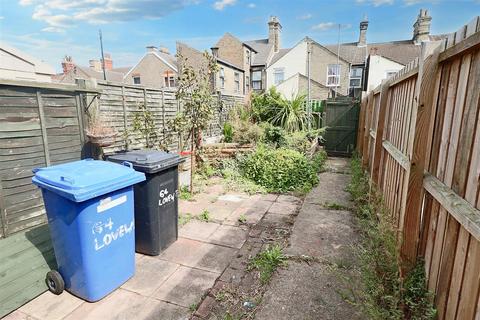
274,32
95,65
67,64
421,27
214,52
108,63
362,39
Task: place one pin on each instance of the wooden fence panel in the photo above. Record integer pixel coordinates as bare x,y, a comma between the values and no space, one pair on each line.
428,165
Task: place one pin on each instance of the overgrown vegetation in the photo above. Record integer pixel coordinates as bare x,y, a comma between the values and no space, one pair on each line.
280,170
267,261
384,295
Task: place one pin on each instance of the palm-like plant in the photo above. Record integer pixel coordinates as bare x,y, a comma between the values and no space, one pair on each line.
290,114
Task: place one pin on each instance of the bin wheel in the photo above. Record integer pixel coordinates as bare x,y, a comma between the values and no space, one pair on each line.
55,282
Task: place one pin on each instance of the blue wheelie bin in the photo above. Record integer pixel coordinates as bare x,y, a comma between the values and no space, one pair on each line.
90,212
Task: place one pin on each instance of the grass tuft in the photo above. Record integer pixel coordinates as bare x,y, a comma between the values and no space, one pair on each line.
267,261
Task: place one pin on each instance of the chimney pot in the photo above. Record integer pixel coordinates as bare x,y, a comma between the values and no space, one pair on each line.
67,64
214,51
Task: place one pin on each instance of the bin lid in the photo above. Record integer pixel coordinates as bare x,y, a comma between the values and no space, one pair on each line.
148,161
86,179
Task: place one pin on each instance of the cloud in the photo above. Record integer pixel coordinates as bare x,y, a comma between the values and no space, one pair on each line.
221,4
252,5
324,26
376,3
66,13
53,29
411,2
1,17
305,16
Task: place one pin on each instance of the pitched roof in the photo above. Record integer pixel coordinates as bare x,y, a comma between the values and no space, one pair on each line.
263,49
79,72
402,51
279,55
39,65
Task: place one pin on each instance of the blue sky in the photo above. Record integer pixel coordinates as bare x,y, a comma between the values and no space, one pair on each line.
50,29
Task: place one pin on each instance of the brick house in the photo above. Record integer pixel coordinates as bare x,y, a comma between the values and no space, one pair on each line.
156,69
229,80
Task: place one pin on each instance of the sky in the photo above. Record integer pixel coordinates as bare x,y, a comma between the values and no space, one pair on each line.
51,29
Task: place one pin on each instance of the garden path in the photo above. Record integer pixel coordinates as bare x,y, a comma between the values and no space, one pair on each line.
313,285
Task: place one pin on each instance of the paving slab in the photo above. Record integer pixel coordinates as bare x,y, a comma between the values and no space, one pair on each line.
196,254
50,306
285,208
336,195
288,198
18,315
186,286
150,273
198,230
229,236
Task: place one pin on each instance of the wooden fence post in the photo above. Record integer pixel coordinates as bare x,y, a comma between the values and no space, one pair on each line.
377,150
125,126
361,125
3,214
366,133
43,127
423,112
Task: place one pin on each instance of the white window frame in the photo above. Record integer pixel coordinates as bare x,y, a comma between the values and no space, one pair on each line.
236,77
333,76
169,81
257,81
222,78
247,83
278,72
355,78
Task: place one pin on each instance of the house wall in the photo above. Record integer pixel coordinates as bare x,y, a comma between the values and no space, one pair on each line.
320,59
12,67
377,70
231,49
298,84
229,88
151,70
295,61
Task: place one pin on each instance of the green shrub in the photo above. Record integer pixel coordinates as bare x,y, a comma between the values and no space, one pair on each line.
264,104
319,160
245,132
227,132
280,170
275,136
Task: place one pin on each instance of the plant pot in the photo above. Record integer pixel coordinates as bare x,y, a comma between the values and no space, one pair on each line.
185,153
103,140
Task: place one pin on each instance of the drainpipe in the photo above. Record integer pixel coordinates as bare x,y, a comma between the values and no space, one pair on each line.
309,105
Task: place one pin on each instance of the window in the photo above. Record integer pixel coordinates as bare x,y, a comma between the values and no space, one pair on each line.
222,78
237,81
333,75
169,81
390,74
247,83
248,57
278,75
136,80
356,77
257,80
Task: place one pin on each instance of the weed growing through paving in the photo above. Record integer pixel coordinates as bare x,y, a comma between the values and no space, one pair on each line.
185,194
184,219
204,216
267,261
193,307
242,218
384,295
335,206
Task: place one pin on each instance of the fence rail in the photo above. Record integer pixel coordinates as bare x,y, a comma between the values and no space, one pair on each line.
419,137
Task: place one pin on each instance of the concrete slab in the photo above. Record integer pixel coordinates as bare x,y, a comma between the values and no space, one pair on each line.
17,315
251,216
51,307
198,230
119,305
285,208
229,236
288,198
232,197
304,291
186,286
159,310
150,273
335,195
199,255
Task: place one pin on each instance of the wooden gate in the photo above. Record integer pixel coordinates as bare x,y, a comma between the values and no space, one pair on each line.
342,122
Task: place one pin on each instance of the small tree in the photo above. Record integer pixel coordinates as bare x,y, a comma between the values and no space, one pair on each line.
194,89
